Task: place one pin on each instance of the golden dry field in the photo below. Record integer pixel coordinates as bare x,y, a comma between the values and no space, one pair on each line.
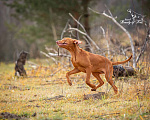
45,94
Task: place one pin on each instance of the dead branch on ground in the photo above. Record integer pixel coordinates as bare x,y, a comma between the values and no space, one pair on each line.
47,55
33,65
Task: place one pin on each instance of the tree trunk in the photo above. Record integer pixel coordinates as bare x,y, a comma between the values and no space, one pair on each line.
86,21
76,15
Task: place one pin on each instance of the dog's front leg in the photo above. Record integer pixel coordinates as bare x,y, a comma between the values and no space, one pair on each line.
88,74
75,70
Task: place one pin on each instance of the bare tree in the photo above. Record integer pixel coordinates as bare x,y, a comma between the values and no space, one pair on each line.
68,28
115,21
144,45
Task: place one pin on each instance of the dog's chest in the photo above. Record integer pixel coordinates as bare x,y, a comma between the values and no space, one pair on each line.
78,65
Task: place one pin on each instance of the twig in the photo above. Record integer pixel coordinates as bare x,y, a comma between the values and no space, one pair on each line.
108,10
71,33
106,41
78,26
58,70
89,45
44,54
47,55
32,64
110,114
75,29
64,30
106,103
50,49
84,33
103,32
61,55
138,108
144,46
123,51
78,23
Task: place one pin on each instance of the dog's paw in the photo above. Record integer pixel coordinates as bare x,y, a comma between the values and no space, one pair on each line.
70,83
93,89
116,91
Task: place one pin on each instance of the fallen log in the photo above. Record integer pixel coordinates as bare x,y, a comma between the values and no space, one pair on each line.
121,71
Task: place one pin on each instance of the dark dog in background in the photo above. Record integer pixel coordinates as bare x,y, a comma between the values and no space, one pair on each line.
120,71
19,66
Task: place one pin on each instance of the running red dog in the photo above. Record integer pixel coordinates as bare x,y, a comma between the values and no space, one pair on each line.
89,63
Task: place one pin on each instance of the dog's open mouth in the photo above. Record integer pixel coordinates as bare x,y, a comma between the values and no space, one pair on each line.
61,44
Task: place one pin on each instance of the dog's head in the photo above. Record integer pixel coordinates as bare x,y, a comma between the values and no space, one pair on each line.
68,43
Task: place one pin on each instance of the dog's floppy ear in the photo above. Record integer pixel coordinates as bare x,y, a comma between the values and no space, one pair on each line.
77,42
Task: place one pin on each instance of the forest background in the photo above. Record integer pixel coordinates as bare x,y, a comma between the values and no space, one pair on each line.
31,25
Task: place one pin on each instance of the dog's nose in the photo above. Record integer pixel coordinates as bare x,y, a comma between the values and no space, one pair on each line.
57,42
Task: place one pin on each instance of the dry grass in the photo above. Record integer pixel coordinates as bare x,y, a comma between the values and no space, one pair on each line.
26,96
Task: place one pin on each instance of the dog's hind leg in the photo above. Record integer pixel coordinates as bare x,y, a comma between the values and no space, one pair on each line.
108,76
97,76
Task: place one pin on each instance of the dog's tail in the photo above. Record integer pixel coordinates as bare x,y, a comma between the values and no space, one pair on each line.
121,62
